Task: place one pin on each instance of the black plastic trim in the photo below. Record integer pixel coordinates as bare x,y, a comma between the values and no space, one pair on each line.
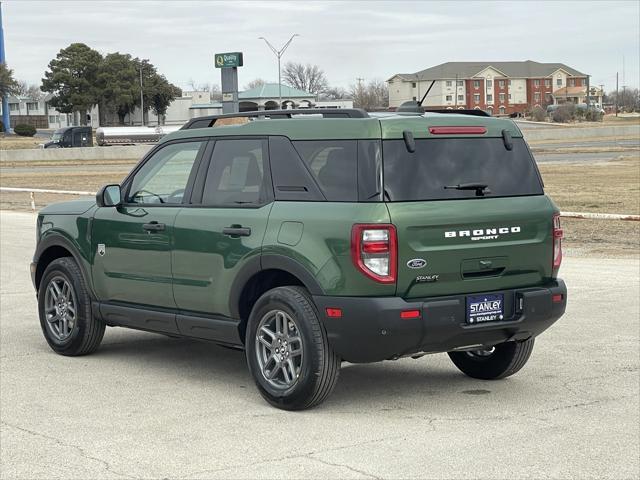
175,322
280,262
371,328
58,240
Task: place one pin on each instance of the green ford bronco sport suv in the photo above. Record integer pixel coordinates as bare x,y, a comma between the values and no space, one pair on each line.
312,237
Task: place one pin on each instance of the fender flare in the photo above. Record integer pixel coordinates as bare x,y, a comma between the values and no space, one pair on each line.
268,261
59,240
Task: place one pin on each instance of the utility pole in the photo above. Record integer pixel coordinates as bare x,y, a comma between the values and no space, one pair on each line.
588,87
6,120
616,94
455,90
141,96
278,54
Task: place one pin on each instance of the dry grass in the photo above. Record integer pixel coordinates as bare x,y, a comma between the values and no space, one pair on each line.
14,142
611,187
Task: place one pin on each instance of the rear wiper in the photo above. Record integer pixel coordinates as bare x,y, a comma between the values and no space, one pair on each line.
480,188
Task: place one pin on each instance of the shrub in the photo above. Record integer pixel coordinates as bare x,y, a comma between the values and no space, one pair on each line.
1,127
538,114
25,130
593,115
564,113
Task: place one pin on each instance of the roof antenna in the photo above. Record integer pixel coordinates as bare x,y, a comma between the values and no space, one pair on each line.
413,106
433,82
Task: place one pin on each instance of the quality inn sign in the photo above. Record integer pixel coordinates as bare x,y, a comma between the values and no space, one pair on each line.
228,60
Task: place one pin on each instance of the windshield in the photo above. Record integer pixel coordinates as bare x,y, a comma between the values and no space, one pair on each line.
57,135
461,165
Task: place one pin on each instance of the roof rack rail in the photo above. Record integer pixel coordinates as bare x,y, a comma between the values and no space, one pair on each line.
466,111
210,120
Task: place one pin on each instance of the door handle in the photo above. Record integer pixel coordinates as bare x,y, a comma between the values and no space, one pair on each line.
237,231
153,226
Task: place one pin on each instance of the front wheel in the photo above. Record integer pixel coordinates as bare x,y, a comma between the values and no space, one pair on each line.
287,350
500,361
64,306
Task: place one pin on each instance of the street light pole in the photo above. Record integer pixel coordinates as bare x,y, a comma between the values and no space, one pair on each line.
6,119
278,54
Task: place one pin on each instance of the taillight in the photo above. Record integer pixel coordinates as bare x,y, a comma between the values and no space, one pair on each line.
557,242
374,250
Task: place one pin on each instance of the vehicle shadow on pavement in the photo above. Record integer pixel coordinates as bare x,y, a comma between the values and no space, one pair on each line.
226,368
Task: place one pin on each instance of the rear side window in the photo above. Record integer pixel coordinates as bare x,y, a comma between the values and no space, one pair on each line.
437,163
334,165
236,174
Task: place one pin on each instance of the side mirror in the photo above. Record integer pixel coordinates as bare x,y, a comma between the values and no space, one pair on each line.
109,196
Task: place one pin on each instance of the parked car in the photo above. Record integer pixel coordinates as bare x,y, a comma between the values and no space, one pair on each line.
309,238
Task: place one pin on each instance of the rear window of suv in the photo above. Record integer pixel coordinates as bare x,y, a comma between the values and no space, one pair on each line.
441,162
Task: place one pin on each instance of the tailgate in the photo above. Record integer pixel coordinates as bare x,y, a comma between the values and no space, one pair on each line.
475,245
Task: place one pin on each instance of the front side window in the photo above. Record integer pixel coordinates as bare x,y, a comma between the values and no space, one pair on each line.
163,178
236,174
334,165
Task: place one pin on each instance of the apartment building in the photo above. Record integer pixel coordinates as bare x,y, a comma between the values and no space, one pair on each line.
500,88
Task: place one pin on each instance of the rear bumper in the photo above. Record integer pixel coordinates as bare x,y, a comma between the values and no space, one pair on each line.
371,329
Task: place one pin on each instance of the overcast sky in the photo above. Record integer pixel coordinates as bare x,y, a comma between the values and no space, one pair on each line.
347,40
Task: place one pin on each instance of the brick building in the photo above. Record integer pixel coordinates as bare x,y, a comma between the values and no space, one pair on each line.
500,88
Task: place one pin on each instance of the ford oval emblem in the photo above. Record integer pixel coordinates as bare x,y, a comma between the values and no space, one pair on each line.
416,263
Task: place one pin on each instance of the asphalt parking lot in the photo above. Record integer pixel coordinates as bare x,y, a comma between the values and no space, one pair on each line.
147,406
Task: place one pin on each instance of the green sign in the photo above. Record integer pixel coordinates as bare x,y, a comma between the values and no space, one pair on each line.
228,60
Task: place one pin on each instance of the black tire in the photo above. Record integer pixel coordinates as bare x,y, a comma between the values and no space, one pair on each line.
506,359
87,332
320,366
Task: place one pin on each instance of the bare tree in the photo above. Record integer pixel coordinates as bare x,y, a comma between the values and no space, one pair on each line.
32,94
309,78
628,99
335,93
255,83
372,96
199,87
215,92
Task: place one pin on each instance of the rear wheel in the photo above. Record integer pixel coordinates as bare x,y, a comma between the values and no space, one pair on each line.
64,306
500,361
287,350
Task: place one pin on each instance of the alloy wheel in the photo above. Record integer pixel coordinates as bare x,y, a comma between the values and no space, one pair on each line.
60,308
279,349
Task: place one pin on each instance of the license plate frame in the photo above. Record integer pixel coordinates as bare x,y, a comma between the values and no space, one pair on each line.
487,308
